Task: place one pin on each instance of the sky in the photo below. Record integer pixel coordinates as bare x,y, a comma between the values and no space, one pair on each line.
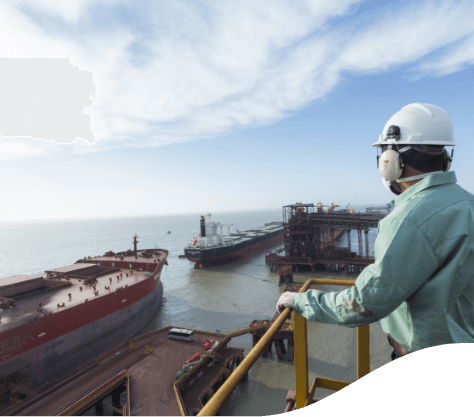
146,107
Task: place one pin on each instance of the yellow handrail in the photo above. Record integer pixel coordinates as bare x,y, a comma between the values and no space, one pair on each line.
301,356
215,403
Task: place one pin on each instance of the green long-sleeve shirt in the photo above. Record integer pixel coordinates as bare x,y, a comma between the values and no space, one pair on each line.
421,285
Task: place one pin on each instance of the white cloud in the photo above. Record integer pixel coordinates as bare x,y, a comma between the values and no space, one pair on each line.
70,10
456,59
16,148
171,72
407,36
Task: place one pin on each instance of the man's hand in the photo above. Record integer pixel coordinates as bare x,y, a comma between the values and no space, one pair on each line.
286,300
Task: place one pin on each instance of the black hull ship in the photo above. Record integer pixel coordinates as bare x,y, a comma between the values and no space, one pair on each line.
211,246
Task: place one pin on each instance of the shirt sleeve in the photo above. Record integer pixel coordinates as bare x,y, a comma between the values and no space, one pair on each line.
404,261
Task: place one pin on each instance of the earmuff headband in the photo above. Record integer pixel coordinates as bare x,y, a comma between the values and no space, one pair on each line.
416,177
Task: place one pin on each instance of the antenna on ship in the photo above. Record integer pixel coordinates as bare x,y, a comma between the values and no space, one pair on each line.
135,241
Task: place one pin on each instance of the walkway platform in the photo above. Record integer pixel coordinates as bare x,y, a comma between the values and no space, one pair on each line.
140,377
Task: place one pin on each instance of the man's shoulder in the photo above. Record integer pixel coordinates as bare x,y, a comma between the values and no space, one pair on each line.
436,202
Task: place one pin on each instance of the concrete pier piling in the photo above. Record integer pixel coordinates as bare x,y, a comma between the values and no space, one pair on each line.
280,349
290,354
285,333
99,408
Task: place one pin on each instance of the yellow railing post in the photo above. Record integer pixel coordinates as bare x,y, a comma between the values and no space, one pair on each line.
363,351
303,397
301,360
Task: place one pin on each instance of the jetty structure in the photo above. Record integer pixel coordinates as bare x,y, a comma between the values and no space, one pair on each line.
318,238
147,375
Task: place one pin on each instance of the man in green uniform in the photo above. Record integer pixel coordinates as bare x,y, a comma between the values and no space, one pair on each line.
421,285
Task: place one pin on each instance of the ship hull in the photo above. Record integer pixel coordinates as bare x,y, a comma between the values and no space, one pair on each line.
60,342
88,342
213,256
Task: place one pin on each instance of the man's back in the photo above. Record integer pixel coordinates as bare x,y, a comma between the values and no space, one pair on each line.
441,310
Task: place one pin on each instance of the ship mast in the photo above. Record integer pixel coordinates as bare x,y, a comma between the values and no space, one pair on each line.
135,241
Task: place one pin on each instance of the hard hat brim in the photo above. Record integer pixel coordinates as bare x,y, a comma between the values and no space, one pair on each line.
401,142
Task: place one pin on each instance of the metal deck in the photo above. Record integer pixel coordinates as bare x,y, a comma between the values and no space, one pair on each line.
152,377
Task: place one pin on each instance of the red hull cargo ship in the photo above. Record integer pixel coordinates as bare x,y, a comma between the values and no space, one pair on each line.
210,246
53,322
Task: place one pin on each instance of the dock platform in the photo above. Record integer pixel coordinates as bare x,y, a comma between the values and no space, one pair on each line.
140,375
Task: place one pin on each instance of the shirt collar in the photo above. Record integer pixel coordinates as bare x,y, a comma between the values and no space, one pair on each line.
439,178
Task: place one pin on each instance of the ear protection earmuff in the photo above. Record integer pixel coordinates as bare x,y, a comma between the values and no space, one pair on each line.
447,160
390,163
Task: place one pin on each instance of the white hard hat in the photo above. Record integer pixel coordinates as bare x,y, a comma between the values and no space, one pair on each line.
418,124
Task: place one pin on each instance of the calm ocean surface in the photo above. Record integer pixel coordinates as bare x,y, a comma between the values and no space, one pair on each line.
224,297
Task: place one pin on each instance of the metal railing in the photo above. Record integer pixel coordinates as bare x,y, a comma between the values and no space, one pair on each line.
303,396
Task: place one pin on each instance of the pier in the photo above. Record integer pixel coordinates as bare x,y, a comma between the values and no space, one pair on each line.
146,375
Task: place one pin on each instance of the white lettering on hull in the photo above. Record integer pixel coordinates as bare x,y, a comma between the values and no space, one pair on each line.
9,344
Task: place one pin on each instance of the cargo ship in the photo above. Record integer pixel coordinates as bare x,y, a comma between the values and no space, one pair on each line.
211,246
51,323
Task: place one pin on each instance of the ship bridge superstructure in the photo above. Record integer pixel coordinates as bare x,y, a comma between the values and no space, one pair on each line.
210,234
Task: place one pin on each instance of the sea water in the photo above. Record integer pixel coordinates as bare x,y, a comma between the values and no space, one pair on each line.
219,298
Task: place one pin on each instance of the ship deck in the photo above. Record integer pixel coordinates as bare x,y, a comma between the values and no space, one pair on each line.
237,237
151,378
28,291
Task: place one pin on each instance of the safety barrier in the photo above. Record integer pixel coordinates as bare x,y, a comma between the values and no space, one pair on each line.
179,400
216,379
127,407
304,395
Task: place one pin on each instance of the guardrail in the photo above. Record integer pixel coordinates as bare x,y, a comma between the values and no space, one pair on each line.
303,396
215,380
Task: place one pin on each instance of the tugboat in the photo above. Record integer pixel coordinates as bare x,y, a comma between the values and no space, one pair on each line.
211,246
